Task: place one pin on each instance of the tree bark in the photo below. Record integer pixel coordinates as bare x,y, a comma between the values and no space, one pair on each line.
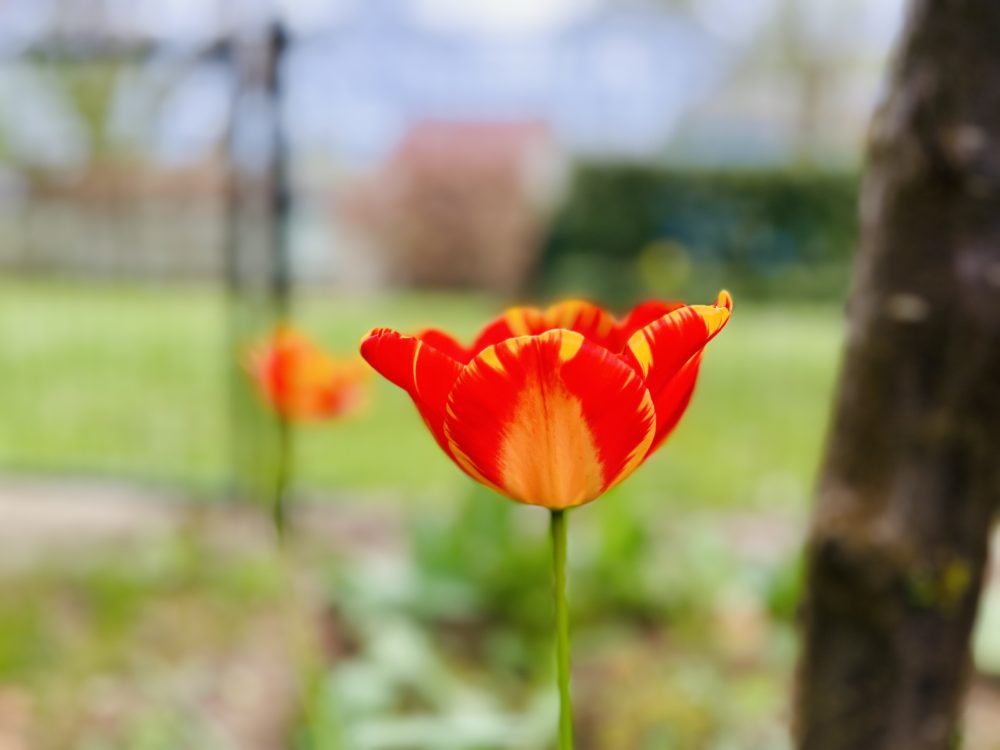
911,479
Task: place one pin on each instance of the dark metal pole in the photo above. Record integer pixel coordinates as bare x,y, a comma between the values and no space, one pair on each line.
257,257
280,192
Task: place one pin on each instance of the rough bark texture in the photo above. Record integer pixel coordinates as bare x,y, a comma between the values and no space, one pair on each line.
912,473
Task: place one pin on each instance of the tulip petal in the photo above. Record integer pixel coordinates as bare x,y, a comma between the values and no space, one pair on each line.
552,420
419,369
585,318
673,399
300,381
589,320
514,322
640,316
659,350
445,344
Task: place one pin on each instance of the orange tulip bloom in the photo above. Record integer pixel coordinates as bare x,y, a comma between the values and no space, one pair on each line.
554,407
301,382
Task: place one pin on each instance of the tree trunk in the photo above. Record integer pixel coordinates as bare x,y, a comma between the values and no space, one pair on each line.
912,473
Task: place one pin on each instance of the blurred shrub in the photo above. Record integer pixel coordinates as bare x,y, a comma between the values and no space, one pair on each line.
450,644
459,204
628,231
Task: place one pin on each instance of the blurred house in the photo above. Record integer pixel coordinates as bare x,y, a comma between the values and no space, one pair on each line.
460,204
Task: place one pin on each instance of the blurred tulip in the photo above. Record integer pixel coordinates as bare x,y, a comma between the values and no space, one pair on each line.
301,382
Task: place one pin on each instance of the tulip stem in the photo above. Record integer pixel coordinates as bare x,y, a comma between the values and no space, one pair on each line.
557,528
282,472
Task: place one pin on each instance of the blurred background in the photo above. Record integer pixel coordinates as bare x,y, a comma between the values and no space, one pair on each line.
177,176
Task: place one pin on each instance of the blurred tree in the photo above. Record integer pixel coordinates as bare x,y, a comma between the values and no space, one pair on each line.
912,474
90,86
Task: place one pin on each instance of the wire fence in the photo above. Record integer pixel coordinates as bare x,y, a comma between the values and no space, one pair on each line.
116,213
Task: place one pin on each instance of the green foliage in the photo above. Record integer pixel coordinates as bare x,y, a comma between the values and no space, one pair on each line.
783,587
484,561
127,620
462,625
628,230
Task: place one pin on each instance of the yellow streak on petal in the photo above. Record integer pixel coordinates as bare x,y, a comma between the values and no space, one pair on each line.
642,351
569,346
562,314
517,321
713,317
606,325
548,455
565,314
470,468
416,357
489,357
637,456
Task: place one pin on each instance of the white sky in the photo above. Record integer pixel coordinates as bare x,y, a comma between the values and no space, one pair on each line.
871,22
499,16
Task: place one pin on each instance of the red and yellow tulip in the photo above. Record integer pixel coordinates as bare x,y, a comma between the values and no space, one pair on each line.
301,382
554,407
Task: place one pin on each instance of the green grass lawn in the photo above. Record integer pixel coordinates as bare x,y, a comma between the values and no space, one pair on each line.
132,381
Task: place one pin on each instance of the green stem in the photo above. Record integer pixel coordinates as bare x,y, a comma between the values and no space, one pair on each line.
557,528
279,506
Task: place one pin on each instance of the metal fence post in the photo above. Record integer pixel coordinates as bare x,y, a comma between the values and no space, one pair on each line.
258,265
